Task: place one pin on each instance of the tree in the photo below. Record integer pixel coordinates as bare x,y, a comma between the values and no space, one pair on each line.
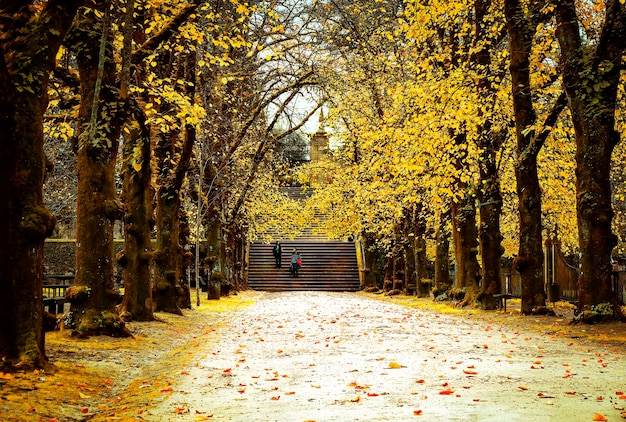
591,73
32,33
93,297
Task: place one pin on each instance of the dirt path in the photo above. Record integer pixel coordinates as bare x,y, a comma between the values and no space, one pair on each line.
349,357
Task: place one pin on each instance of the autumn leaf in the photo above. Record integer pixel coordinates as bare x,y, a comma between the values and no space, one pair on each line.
356,399
394,365
599,417
417,412
446,392
470,372
276,398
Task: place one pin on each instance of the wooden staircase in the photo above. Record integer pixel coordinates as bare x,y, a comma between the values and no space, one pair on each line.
327,265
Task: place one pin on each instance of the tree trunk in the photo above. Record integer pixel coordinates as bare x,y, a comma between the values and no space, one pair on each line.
138,222
489,144
29,44
93,297
591,80
168,251
530,255
442,251
370,262
423,287
464,234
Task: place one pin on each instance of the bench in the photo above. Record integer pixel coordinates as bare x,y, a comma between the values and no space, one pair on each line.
502,298
54,288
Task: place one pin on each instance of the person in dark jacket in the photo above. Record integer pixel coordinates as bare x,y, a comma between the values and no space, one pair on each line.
296,262
277,251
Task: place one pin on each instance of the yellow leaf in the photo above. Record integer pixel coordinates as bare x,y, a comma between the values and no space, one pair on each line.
394,365
137,166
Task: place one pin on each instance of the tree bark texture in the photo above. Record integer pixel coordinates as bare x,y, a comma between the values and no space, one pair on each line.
529,260
138,221
591,78
30,42
93,297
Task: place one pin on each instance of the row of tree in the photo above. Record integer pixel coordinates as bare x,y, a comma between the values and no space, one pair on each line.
154,99
490,120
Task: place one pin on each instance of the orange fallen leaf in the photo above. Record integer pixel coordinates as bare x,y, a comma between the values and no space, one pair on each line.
241,390
372,394
166,390
446,392
599,417
356,399
85,410
523,387
420,381
470,372
394,365
290,393
417,412
180,410
276,398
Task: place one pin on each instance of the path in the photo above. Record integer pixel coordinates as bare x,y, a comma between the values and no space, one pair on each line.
347,357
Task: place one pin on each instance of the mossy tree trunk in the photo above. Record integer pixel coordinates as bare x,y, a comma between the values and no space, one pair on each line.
138,221
93,297
31,39
591,77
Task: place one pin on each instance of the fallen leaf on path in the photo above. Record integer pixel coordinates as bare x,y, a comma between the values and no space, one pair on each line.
523,387
201,418
417,412
599,417
356,399
276,398
446,392
166,390
394,365
470,372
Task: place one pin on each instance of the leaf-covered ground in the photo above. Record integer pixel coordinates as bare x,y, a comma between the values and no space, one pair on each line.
330,357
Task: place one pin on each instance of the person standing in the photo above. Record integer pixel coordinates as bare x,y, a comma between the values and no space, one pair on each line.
277,251
296,262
